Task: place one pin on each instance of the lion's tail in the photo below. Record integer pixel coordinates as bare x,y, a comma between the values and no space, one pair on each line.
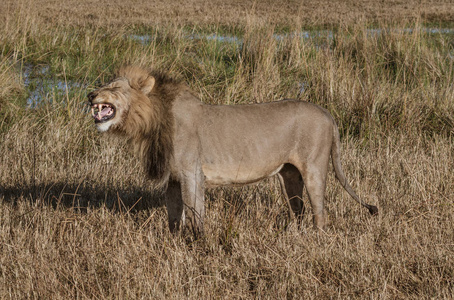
335,155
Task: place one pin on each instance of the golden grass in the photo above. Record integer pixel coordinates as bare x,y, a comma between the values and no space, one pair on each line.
404,252
78,220
228,13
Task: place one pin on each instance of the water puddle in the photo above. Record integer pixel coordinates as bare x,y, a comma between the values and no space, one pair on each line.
432,31
146,39
303,35
143,39
219,38
41,86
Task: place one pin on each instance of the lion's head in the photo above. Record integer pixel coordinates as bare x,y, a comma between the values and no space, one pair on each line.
137,104
127,94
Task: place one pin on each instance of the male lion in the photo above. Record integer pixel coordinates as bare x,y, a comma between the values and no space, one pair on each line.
186,145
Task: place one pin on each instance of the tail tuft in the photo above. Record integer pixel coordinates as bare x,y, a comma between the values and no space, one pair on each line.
373,210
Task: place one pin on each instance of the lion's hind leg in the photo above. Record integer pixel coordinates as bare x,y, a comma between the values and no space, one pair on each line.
292,189
314,176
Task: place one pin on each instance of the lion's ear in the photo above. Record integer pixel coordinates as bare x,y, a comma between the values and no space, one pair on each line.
147,85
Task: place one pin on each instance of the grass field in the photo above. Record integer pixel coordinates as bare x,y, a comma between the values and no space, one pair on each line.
79,221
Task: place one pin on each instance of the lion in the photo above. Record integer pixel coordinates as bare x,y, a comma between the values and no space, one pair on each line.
187,146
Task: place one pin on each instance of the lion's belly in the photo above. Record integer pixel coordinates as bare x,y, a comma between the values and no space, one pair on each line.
231,176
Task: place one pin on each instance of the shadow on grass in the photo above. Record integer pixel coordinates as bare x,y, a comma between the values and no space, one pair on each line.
83,196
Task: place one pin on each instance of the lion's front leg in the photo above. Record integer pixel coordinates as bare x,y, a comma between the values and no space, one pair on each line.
174,205
192,191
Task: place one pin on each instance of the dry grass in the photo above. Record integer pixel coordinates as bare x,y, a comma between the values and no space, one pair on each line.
230,13
78,221
405,252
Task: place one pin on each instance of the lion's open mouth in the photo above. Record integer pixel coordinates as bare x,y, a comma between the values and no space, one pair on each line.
102,112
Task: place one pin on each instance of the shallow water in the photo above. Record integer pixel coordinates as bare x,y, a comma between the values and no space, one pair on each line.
143,39
146,39
41,85
304,35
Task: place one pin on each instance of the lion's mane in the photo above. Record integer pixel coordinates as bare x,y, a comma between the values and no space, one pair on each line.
149,121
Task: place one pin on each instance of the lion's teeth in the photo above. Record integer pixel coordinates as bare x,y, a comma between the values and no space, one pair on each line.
96,110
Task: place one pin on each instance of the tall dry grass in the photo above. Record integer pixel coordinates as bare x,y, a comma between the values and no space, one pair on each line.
247,253
78,220
228,13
